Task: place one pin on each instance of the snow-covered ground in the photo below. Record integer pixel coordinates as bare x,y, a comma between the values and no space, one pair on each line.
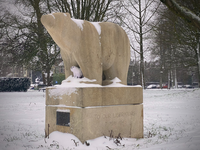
171,121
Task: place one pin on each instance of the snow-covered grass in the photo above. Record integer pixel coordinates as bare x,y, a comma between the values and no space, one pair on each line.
171,121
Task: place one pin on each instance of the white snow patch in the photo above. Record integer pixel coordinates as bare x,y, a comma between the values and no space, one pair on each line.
63,110
77,82
79,23
52,15
72,84
64,106
97,26
116,83
137,86
58,91
59,140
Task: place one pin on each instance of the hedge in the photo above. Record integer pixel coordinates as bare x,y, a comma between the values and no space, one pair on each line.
14,84
59,78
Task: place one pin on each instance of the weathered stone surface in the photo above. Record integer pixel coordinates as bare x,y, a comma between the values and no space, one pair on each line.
94,96
99,49
92,122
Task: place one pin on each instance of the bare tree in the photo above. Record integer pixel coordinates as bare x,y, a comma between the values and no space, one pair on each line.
90,10
176,46
136,19
27,40
189,11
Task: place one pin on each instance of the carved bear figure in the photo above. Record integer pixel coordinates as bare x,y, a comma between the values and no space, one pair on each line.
99,49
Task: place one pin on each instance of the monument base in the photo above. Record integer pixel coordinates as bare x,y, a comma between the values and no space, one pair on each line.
94,121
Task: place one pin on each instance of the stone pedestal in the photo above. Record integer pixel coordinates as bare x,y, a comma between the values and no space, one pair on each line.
92,112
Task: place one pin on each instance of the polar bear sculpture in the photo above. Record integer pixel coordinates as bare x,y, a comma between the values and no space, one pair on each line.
99,49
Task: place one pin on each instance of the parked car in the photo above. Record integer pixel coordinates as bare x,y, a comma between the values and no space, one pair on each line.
188,86
152,86
165,86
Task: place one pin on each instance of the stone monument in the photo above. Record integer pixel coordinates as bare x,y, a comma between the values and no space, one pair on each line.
100,102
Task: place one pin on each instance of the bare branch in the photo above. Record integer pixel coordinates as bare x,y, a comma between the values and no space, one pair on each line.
183,12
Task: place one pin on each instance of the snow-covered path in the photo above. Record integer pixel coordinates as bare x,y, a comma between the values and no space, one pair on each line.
171,121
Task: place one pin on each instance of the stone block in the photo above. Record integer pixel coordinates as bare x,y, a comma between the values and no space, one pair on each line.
94,96
92,122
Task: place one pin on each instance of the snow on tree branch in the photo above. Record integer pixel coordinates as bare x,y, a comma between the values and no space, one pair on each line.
183,12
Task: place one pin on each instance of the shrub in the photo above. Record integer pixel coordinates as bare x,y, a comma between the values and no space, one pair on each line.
14,84
59,78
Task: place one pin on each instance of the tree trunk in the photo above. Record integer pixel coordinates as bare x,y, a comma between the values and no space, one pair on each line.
161,61
175,77
171,77
161,82
198,57
48,77
44,78
168,77
141,48
170,80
